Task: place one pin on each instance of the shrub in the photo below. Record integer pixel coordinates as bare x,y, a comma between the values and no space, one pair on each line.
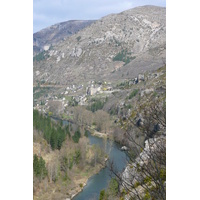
40,56
113,187
97,105
76,136
86,133
102,195
133,94
123,56
129,106
147,196
78,38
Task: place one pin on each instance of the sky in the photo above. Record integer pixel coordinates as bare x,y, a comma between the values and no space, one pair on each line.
49,12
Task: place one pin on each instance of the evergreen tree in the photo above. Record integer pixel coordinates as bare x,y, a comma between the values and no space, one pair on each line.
53,139
53,133
76,136
39,168
36,167
43,170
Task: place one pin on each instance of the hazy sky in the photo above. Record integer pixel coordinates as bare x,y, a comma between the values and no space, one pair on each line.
49,12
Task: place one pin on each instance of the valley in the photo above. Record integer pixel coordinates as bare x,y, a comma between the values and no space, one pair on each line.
107,80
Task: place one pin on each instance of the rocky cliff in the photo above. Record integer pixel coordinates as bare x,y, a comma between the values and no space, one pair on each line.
52,35
118,46
143,174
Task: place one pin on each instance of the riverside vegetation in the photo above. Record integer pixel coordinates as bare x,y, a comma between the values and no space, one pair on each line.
63,160
65,152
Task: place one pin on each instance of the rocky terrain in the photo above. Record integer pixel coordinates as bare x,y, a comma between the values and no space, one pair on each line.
132,176
111,78
116,47
52,35
123,102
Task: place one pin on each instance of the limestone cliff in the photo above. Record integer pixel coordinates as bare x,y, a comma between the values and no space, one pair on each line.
116,47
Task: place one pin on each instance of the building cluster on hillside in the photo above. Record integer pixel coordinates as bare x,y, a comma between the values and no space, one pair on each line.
98,88
78,94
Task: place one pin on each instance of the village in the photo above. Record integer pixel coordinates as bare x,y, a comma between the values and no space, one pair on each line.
53,100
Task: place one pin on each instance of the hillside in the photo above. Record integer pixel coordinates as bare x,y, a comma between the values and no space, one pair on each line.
106,80
56,33
116,47
124,105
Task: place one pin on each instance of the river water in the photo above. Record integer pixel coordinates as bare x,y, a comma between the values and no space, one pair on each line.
100,181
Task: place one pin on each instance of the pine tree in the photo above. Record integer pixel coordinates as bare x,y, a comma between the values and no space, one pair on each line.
53,139
39,167
36,166
43,171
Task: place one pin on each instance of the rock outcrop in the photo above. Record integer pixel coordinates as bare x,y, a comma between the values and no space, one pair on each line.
133,176
42,40
116,47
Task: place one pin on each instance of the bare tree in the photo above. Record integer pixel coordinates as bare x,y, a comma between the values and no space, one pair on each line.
145,175
102,120
82,116
56,107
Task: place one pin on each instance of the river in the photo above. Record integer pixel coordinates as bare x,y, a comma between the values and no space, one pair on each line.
100,181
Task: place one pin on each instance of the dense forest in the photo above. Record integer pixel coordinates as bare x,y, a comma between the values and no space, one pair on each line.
60,153
53,133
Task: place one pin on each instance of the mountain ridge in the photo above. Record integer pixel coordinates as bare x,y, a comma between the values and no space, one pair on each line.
53,34
138,35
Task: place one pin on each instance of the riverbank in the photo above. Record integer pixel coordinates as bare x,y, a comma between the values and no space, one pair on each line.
100,181
92,175
66,189
96,133
81,183
66,176
99,134
70,168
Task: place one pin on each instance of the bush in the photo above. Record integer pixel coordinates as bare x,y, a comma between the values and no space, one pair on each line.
40,56
87,133
76,136
123,85
113,187
97,105
133,94
123,56
113,111
73,102
78,38
129,106
102,195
